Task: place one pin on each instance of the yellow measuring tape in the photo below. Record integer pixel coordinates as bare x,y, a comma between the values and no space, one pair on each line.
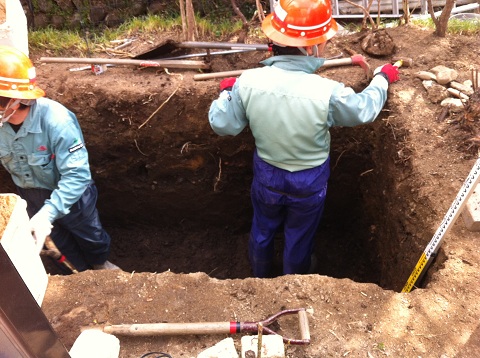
448,220
419,267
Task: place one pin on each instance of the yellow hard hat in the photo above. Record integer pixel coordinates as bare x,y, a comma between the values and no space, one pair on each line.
17,75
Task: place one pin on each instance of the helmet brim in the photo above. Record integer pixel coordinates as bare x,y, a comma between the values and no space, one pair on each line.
276,36
30,94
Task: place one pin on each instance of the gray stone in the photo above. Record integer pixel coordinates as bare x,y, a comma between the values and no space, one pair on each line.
444,74
436,93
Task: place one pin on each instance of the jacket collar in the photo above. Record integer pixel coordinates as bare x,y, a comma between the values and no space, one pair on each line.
306,64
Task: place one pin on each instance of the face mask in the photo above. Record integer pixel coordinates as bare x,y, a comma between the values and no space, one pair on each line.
27,102
4,118
315,52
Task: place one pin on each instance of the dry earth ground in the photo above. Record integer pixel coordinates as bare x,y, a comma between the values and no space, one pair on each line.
175,198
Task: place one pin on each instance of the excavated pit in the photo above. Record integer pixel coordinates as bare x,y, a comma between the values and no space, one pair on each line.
183,230
175,196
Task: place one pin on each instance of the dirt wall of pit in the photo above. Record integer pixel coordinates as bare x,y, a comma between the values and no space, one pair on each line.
157,163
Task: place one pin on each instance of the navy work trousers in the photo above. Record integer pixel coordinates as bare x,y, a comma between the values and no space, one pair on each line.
292,199
79,235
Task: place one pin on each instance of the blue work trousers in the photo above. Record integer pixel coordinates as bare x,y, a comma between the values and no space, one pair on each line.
79,235
294,200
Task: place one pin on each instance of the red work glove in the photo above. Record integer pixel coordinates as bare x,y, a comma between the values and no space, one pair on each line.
227,84
358,60
390,72
361,61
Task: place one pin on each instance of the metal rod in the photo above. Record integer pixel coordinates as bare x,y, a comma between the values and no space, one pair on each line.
115,61
223,45
204,54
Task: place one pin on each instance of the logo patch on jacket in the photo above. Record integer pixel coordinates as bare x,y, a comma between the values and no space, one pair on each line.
76,146
41,148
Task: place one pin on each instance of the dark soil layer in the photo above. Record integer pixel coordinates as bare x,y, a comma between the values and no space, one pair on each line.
175,197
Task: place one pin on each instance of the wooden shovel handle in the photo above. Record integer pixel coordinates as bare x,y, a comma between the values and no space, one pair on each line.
209,76
303,325
159,329
235,73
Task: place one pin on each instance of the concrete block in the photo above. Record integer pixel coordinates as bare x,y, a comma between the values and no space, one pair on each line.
14,28
20,247
95,343
471,212
272,346
223,349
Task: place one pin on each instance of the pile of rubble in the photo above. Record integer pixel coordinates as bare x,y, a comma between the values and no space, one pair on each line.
442,87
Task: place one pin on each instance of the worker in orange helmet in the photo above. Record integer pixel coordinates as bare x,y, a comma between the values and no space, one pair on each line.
42,147
289,110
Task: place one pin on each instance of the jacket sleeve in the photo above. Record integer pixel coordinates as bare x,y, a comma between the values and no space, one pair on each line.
227,115
71,160
347,108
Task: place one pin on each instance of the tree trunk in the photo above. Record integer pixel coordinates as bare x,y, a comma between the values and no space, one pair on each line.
184,21
261,15
242,36
441,23
239,13
406,11
191,25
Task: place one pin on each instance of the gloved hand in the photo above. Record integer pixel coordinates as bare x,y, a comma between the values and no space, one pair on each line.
358,60
227,84
390,72
40,227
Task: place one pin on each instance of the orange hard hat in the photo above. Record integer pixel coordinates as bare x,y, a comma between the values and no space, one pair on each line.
300,23
17,75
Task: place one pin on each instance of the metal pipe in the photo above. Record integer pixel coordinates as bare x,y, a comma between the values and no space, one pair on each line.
223,45
116,61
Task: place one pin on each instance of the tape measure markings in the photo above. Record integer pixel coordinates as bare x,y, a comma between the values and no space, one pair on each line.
448,220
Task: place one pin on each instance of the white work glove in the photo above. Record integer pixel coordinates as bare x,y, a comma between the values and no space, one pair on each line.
40,227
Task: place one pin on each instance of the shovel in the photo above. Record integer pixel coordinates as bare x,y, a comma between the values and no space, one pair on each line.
53,252
161,329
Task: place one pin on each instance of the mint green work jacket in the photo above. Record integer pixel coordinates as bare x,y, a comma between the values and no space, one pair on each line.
48,152
290,109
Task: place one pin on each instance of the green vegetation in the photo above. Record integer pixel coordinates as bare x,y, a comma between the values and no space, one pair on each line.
463,27
149,24
60,41
455,26
56,40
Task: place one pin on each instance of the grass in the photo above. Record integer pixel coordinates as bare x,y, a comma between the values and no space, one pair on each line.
55,40
455,26
61,41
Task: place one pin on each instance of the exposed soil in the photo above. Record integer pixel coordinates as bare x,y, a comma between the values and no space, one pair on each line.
175,198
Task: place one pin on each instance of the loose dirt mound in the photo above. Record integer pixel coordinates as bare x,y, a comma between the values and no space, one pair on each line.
175,198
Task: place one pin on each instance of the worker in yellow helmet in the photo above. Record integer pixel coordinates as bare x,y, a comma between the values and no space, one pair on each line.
42,147
289,110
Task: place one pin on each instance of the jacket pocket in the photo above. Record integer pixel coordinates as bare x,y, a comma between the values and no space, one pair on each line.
42,166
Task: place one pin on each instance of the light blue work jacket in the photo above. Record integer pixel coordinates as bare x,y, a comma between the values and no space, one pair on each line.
290,109
48,152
